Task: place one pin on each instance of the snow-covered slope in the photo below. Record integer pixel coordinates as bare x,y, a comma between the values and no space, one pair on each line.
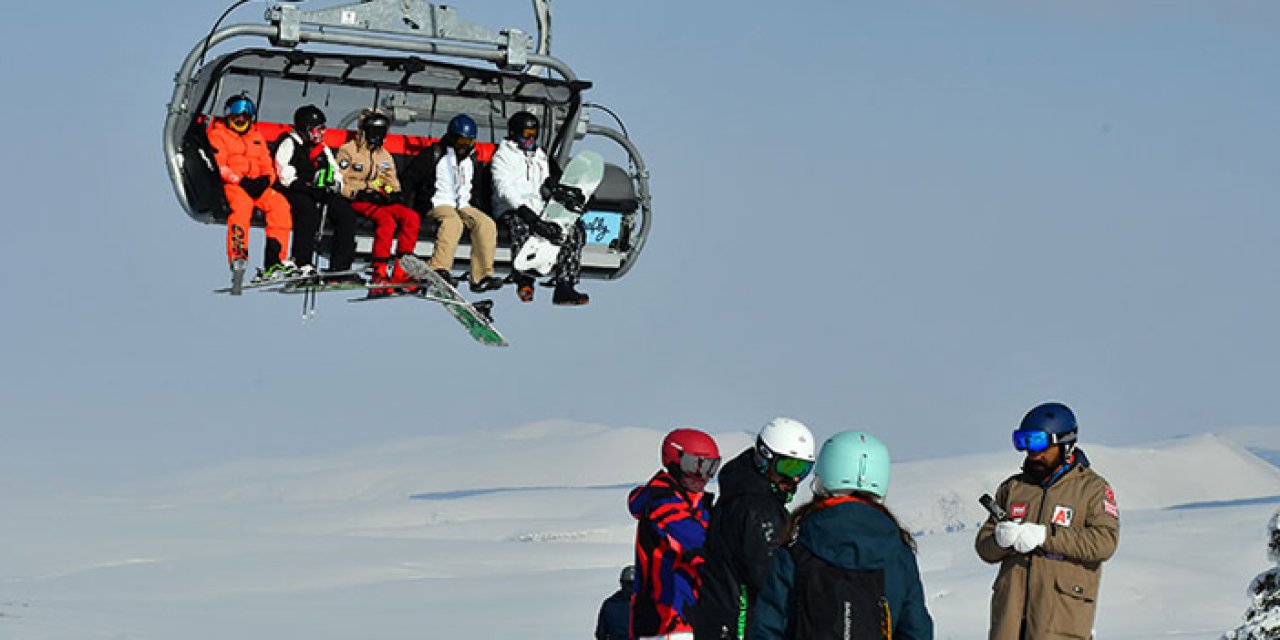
521,533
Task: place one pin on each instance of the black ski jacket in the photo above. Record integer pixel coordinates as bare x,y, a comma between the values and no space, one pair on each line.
745,529
614,620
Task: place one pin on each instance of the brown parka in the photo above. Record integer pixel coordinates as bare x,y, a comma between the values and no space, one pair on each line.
361,167
1054,589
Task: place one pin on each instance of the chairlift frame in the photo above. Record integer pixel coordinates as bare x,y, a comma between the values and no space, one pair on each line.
410,37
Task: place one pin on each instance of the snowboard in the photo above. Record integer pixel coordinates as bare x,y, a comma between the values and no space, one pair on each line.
474,317
568,201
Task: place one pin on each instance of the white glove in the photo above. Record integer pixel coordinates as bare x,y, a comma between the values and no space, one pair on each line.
1007,533
1029,537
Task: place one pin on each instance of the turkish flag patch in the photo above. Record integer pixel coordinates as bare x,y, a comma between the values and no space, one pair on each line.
1018,511
1109,503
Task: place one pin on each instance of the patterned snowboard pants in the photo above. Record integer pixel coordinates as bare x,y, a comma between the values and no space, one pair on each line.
569,262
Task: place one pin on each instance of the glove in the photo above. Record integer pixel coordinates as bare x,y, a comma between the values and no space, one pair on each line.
1030,536
1007,533
548,230
255,187
527,215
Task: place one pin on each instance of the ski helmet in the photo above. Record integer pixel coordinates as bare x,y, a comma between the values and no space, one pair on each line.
374,127
1044,425
240,112
852,460
786,446
628,576
309,121
691,456
523,129
462,126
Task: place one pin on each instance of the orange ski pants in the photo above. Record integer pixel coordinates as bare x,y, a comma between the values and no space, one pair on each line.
279,221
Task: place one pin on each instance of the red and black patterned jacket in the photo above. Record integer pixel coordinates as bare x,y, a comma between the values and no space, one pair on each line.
671,531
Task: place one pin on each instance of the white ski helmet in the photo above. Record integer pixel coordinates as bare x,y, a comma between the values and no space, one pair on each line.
787,437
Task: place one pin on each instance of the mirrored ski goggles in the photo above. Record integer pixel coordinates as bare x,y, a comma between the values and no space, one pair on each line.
1033,441
242,107
794,468
699,466
463,141
529,133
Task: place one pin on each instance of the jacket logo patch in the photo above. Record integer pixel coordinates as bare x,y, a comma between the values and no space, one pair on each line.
1062,515
1018,511
1109,503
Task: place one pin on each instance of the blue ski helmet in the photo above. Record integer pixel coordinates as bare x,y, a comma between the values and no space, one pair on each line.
852,460
1046,424
462,126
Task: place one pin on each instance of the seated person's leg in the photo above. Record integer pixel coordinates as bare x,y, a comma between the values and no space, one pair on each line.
447,237
238,223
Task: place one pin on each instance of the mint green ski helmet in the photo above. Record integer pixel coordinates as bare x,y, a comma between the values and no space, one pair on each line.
852,460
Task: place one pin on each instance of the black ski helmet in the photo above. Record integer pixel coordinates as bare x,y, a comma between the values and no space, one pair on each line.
628,576
522,120
308,117
374,127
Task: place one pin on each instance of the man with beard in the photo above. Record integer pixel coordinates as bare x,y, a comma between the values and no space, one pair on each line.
1062,524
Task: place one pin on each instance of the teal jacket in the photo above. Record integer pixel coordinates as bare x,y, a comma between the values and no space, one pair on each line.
854,535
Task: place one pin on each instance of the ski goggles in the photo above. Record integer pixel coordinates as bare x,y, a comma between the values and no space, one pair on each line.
528,132
1033,441
242,107
699,466
794,468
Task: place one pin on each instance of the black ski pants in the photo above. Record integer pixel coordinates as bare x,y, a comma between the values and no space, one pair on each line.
307,208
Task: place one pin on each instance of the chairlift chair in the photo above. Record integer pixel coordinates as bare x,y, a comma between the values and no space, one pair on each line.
421,64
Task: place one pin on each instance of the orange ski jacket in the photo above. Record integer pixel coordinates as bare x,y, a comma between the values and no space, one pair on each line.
240,156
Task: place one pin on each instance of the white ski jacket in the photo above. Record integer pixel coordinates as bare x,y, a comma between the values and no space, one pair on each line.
453,180
517,178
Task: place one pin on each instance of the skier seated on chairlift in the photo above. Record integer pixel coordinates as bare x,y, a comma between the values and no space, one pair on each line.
247,172
369,181
520,170
310,180
443,176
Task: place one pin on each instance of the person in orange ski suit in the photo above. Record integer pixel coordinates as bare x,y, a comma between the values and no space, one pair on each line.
248,171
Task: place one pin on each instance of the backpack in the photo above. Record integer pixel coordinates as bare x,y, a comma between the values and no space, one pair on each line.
831,602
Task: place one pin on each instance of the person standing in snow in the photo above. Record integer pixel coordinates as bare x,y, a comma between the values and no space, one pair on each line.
848,570
672,511
1062,524
747,524
614,620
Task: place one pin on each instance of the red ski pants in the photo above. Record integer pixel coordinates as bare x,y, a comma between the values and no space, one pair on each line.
387,217
279,221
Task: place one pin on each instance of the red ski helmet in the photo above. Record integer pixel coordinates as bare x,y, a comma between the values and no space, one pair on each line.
691,456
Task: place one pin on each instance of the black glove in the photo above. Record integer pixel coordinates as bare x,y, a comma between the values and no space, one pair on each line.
548,230
255,187
544,228
526,215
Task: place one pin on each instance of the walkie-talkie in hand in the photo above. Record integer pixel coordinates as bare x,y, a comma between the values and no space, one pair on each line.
992,508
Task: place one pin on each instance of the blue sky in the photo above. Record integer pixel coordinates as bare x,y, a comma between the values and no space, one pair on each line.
914,218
